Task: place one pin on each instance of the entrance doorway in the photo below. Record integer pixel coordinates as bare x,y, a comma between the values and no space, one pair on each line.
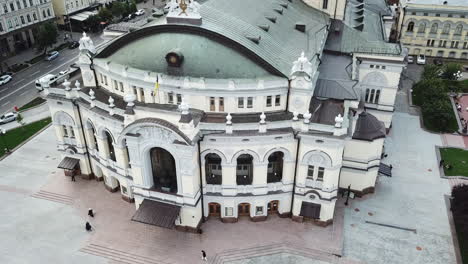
273,207
164,170
215,209
243,209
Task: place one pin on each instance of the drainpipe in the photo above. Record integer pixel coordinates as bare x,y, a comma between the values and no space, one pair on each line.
295,172
84,136
201,179
287,96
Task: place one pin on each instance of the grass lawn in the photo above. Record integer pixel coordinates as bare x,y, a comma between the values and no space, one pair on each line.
34,102
18,135
458,158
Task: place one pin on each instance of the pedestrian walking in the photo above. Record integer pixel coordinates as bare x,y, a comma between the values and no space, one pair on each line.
203,253
88,226
90,212
73,178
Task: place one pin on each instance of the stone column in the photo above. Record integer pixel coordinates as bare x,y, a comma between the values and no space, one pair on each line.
121,156
260,173
70,131
103,148
138,90
229,179
288,172
31,36
90,138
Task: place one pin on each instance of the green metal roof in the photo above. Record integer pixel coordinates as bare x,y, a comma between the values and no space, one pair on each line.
208,54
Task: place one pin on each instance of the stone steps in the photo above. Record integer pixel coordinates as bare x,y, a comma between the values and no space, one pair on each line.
118,255
53,197
454,181
272,249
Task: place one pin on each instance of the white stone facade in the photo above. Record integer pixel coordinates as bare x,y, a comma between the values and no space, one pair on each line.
237,147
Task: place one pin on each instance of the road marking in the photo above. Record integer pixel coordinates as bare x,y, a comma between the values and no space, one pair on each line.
48,66
36,72
18,82
6,103
31,82
23,93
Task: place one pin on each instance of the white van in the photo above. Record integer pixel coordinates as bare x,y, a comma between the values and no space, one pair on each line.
49,78
421,59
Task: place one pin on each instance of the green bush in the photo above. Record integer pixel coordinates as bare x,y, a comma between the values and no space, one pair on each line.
450,70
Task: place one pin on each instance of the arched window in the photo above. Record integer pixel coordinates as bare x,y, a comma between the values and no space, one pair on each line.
422,27
446,29
377,96
410,27
434,28
244,170
275,167
317,162
213,169
164,170
43,13
48,12
34,16
110,145
459,29
325,4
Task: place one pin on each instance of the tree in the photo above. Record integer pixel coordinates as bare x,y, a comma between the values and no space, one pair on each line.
118,9
92,22
427,90
47,35
105,14
459,207
450,71
431,72
438,112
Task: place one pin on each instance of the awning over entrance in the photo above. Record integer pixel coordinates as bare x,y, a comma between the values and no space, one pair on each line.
310,210
68,163
386,170
157,213
83,15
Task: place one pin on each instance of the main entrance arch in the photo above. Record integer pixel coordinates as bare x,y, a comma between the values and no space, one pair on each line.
164,170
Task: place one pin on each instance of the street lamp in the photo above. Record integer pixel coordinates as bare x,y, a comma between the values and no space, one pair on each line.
3,132
347,197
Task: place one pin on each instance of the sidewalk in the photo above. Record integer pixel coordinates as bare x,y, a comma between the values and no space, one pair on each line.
30,115
32,52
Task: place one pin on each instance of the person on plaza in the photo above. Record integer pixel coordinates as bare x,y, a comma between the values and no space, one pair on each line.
90,212
73,177
441,163
88,226
203,255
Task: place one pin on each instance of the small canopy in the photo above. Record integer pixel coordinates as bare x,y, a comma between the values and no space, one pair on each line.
310,210
68,163
384,169
157,213
83,15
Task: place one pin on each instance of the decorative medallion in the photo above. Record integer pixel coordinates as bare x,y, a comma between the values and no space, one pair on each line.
174,59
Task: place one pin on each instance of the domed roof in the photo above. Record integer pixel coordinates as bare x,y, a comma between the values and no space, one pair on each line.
368,128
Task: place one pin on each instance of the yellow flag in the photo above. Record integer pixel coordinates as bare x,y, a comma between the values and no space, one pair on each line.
156,86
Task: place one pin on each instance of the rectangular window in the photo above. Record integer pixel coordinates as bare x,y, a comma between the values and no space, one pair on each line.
450,15
29,18
1,27
372,66
105,80
384,67
18,5
179,99
12,7
268,101
240,102
377,66
426,14
310,172
72,132
437,15
25,4
5,8
321,172
170,98
65,131
367,95
22,20
465,44
31,3
116,87
325,4
121,86
278,100
249,102
212,104
413,13
221,104
377,96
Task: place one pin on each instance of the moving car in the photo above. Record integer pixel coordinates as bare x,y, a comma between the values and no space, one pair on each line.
8,117
5,79
410,59
74,45
49,78
64,72
421,59
52,55
157,12
140,12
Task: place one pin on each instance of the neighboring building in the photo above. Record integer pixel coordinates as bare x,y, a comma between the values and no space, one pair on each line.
436,28
78,10
19,22
233,108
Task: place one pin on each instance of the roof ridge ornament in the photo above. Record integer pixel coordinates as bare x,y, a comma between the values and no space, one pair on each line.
186,12
86,44
302,64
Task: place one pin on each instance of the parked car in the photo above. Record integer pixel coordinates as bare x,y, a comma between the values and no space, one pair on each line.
8,117
157,12
140,12
52,55
48,78
5,79
74,45
421,59
410,59
438,62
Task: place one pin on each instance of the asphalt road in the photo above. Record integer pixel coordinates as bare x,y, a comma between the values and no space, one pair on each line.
21,89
